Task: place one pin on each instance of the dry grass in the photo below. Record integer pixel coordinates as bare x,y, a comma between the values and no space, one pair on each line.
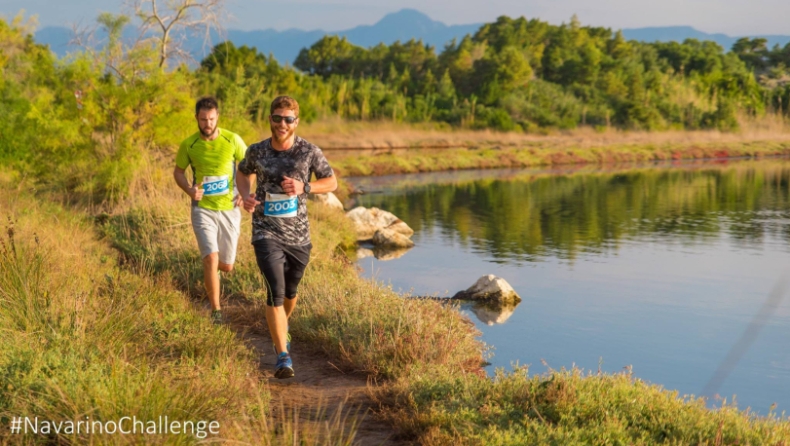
338,134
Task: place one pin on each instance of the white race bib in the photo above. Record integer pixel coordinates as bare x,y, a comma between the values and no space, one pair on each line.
214,186
280,205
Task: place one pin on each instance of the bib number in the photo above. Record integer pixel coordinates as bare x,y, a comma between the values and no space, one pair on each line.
214,186
280,205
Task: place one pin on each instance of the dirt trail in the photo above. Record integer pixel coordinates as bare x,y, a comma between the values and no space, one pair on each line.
318,390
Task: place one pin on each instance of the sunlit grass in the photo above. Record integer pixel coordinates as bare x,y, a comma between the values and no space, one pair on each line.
85,338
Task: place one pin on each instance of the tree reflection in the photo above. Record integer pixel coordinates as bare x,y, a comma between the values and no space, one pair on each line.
527,216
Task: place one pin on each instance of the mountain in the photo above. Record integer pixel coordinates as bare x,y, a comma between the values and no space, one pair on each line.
681,33
403,25
285,45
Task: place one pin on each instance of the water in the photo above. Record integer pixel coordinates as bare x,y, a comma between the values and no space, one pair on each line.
662,267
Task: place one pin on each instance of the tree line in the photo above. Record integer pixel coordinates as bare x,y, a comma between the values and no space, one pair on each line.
89,123
520,74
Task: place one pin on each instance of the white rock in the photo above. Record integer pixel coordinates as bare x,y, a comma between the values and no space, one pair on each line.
328,199
401,227
368,221
388,238
490,288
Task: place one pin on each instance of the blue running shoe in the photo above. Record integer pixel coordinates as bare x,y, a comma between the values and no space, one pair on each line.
285,367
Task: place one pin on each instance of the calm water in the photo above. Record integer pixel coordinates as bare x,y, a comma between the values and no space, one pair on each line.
666,268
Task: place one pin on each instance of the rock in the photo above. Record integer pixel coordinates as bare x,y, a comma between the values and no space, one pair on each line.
368,221
391,239
401,227
490,288
492,314
328,199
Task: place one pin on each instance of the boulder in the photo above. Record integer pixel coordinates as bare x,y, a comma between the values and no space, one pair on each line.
328,199
490,288
401,227
368,221
391,239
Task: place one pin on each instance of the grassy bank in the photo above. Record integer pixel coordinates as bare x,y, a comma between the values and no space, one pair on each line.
396,161
425,356
101,332
364,326
86,338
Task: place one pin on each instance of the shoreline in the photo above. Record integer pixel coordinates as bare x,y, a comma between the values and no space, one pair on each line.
402,161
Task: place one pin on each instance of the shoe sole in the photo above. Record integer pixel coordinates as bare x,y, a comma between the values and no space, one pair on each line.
284,372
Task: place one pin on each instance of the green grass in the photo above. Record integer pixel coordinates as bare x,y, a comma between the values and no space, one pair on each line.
569,407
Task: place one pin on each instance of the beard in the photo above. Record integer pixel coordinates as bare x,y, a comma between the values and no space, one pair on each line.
276,136
207,131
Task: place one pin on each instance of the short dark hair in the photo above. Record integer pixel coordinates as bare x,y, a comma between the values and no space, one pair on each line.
206,103
285,102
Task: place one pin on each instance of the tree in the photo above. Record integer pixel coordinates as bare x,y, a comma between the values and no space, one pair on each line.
169,16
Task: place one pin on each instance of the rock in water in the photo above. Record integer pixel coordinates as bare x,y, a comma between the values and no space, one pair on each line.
490,288
329,199
368,221
391,239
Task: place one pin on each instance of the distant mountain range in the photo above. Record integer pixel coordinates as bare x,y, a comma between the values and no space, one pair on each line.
403,25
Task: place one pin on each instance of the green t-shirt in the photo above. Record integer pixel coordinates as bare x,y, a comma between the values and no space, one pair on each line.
214,164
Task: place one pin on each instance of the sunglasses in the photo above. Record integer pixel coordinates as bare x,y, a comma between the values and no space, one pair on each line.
288,119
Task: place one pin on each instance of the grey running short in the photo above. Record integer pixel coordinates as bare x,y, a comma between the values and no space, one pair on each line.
217,231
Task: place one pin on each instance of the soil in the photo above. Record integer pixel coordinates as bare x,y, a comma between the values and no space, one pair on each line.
320,393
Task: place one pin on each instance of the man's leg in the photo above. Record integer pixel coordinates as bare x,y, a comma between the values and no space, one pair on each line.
211,279
297,258
289,306
271,262
277,321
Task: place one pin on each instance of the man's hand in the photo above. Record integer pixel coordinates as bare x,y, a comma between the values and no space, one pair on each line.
237,200
250,203
291,186
196,192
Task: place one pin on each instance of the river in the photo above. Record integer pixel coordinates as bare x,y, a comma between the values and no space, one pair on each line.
672,270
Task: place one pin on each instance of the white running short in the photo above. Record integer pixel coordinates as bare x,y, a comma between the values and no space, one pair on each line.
217,231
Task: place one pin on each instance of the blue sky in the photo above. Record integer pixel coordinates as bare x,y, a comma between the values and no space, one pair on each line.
734,17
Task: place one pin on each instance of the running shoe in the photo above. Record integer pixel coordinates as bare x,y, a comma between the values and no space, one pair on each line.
216,317
285,367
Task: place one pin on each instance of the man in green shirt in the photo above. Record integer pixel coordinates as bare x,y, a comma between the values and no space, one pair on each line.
212,153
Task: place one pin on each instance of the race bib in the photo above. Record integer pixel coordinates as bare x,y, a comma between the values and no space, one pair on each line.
213,186
280,205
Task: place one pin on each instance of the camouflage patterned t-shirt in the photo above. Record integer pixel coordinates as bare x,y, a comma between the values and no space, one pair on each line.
270,166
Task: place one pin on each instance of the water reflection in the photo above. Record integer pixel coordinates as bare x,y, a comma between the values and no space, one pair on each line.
519,216
490,314
663,268
381,252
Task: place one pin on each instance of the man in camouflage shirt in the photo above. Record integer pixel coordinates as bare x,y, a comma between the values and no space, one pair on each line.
283,166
